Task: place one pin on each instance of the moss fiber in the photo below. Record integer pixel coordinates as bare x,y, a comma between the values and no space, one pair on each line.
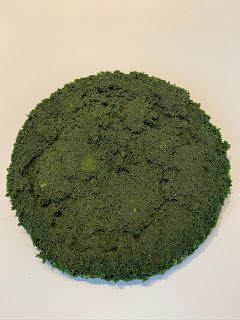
118,176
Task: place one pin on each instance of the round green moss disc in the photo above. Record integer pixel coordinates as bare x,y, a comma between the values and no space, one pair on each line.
118,176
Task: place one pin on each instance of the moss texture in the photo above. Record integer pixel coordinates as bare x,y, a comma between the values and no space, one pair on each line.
118,176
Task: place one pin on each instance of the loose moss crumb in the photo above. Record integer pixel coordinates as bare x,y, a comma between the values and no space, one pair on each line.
118,176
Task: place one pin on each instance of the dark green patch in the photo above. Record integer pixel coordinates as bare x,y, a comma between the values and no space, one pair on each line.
118,176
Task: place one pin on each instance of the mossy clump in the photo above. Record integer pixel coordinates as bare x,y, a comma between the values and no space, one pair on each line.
118,176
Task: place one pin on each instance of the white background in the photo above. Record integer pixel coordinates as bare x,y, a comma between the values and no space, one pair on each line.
194,44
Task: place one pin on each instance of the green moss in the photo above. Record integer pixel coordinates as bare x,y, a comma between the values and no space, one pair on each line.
88,164
118,176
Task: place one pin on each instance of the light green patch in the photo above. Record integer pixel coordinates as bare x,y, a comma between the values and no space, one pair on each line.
88,164
43,185
134,209
163,145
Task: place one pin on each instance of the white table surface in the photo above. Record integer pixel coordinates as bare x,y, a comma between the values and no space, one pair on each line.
194,44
